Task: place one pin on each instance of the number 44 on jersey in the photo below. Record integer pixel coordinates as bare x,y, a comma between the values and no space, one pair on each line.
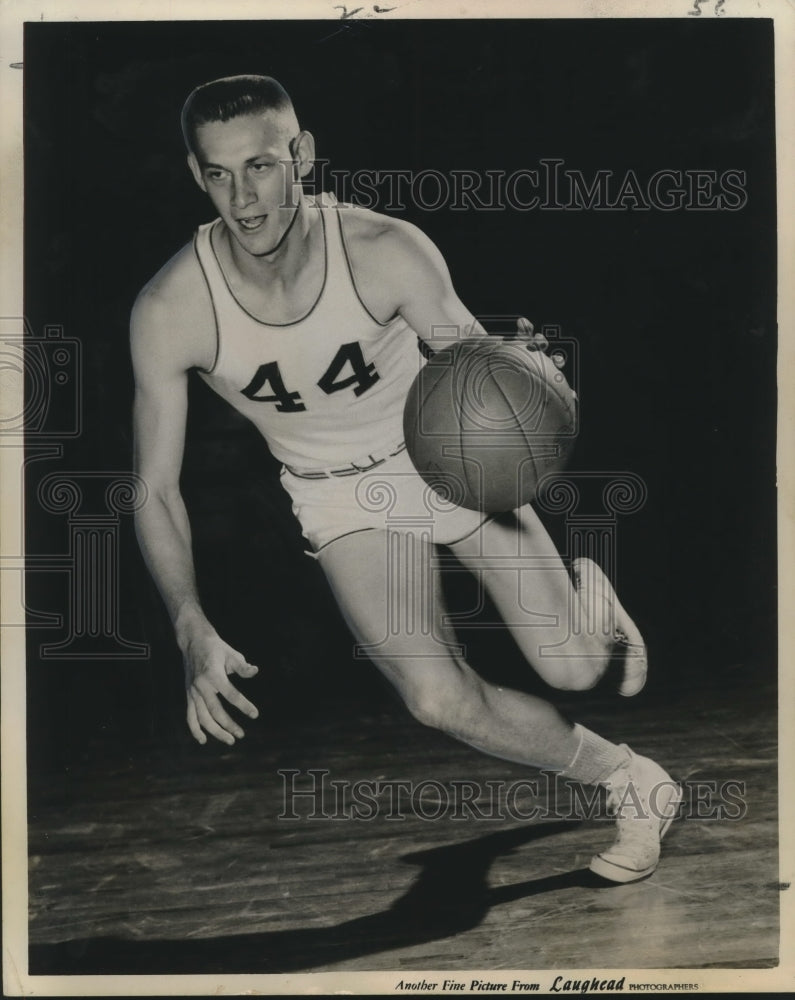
362,377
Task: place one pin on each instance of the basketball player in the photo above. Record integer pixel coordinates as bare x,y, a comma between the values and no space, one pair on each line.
305,317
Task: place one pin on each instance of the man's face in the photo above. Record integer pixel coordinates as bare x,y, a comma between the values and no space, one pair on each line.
246,167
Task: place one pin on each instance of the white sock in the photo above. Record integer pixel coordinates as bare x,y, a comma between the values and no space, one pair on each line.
596,758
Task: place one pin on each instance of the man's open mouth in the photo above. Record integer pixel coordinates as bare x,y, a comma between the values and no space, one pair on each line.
252,222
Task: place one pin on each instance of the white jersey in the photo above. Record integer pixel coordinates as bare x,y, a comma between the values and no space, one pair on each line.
324,390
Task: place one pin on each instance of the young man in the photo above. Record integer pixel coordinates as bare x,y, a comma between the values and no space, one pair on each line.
305,318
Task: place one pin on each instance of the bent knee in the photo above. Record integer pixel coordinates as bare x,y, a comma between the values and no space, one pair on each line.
430,706
441,701
580,672
581,678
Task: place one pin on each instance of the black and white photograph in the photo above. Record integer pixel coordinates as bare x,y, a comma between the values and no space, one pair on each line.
395,526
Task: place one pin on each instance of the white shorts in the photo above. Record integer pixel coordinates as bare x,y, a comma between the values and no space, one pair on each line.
391,496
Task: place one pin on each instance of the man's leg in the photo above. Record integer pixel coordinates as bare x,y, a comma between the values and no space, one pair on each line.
441,690
569,633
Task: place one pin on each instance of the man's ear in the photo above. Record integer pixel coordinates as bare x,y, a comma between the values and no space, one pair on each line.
302,148
195,169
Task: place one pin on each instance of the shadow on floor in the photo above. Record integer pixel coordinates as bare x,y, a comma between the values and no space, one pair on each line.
450,895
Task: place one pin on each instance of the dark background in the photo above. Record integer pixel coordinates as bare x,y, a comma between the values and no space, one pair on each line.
674,314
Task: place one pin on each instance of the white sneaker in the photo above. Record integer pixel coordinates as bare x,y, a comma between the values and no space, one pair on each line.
644,799
636,663
628,640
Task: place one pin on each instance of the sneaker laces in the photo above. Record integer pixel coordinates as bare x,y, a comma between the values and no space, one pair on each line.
637,825
620,638
617,782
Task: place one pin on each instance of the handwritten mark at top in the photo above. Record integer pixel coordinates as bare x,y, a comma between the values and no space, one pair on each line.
697,11
346,14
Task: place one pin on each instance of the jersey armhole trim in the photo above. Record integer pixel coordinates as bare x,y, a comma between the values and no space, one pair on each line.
353,279
211,369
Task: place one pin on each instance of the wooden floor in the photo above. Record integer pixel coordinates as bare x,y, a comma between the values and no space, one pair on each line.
173,860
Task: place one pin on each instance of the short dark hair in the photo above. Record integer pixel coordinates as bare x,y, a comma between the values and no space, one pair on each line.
229,97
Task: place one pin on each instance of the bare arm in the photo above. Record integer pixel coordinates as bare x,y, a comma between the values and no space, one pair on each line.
422,291
160,362
427,300
159,415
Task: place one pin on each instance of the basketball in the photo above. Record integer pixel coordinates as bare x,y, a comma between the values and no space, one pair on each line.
486,419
